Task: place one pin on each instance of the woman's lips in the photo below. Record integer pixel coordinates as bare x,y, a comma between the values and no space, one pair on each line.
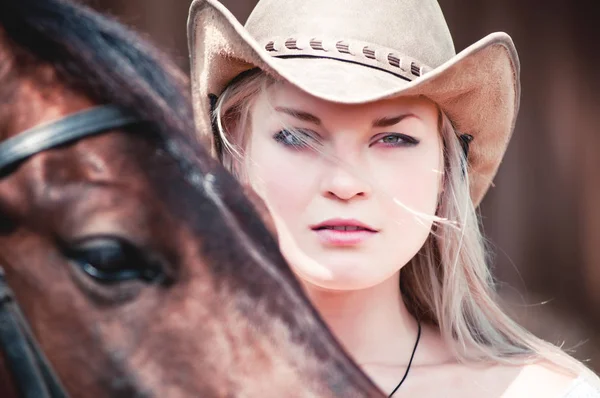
343,232
343,237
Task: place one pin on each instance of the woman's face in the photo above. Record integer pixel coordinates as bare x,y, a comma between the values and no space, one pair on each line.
355,205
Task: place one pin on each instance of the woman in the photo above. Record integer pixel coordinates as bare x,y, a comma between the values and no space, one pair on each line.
372,143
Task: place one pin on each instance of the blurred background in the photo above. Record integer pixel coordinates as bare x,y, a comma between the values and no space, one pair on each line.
542,218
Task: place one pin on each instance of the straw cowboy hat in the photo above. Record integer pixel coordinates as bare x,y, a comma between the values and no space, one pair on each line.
357,51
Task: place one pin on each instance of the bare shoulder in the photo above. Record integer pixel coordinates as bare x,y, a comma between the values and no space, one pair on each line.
442,375
475,380
541,379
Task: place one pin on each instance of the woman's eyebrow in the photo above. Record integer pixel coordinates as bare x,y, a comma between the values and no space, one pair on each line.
388,121
301,115
385,121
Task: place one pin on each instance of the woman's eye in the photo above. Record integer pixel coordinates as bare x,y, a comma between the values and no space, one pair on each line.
110,260
398,139
291,139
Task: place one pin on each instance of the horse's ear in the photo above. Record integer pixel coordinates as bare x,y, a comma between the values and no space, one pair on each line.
261,208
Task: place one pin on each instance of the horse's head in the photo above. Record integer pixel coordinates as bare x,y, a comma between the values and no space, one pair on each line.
140,265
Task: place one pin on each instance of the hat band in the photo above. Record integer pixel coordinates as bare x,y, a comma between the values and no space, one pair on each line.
359,52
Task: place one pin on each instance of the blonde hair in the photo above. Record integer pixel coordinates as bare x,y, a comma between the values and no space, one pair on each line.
448,282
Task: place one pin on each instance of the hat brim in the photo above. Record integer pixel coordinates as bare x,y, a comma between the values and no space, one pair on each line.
478,88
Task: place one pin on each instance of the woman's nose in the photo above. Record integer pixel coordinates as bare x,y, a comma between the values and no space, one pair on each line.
344,181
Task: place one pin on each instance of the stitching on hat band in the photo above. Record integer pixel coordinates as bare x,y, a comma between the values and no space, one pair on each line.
357,52
343,60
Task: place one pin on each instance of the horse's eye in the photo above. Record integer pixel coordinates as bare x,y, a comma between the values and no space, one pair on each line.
110,260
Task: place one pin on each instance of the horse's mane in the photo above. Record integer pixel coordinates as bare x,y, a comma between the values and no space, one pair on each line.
99,56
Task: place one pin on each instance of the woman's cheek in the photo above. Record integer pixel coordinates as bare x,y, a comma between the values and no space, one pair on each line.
289,186
284,180
408,185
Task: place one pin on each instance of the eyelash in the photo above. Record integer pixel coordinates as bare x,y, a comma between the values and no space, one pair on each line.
300,139
405,140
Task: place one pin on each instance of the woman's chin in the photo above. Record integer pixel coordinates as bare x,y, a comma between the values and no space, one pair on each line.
336,276
338,269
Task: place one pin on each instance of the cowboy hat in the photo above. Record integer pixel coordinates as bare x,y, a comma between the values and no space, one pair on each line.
357,51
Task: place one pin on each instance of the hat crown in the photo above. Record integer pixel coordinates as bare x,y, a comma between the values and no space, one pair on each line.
416,28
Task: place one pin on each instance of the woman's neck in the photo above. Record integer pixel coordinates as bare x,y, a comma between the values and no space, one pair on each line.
372,324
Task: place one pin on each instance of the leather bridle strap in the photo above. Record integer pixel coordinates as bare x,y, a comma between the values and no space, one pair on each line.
31,371
29,367
46,136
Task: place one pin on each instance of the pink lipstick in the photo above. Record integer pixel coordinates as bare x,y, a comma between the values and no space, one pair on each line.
343,232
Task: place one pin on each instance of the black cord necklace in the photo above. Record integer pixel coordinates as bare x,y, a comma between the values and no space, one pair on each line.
410,361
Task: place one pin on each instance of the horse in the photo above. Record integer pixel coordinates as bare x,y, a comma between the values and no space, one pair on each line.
134,264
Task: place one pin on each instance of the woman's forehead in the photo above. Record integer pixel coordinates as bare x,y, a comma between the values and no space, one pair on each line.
283,94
